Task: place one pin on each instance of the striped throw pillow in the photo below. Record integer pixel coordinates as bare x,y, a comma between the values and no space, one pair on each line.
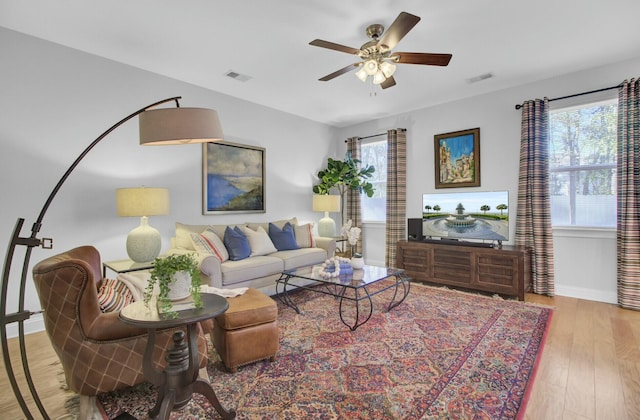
304,235
208,243
113,295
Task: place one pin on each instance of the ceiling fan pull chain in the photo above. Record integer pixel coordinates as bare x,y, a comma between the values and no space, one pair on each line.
373,92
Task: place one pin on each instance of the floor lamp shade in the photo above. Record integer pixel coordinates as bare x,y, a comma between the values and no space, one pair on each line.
144,242
179,126
326,203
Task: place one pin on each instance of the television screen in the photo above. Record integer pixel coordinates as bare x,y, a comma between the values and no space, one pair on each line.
466,215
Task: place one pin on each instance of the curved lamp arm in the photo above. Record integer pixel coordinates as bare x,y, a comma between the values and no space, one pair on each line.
47,243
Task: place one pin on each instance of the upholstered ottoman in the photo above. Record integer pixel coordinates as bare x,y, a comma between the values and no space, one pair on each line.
247,331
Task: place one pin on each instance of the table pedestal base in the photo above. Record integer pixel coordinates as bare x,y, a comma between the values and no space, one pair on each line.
180,378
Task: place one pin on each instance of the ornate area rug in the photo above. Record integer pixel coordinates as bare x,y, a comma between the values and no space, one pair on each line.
441,354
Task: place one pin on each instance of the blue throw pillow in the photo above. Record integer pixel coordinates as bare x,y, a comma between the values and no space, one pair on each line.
236,243
285,238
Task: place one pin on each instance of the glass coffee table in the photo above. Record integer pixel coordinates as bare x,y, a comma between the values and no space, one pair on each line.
356,287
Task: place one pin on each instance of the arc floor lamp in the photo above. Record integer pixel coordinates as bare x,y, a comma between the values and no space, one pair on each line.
157,127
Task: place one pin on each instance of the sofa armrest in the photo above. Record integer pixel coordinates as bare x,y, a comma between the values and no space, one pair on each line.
210,270
328,244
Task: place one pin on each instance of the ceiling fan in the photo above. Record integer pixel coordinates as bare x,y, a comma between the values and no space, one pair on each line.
378,61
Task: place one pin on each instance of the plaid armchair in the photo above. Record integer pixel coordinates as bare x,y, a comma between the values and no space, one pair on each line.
98,352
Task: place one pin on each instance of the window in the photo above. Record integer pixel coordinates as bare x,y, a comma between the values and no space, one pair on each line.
582,164
374,209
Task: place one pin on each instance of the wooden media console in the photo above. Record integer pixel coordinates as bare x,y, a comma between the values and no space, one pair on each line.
505,271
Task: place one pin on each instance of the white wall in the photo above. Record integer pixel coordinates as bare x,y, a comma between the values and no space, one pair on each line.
54,101
585,261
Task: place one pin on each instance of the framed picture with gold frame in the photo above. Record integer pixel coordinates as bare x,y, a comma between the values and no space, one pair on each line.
457,159
233,178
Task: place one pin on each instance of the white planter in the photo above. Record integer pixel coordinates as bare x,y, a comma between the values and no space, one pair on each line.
179,288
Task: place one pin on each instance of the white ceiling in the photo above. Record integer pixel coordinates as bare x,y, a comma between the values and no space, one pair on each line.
199,41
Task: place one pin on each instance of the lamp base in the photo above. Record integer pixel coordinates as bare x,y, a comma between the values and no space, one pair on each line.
327,227
144,242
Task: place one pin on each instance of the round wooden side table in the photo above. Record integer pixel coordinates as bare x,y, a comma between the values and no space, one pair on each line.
180,379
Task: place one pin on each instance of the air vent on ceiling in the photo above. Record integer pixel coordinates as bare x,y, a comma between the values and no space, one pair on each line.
237,76
480,78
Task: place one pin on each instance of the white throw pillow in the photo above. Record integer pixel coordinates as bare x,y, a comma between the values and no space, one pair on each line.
208,243
304,235
259,241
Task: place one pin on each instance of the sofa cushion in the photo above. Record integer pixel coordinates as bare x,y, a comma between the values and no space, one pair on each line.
304,236
237,243
208,243
283,238
300,257
259,241
234,272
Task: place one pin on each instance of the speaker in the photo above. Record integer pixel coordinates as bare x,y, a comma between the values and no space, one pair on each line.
414,229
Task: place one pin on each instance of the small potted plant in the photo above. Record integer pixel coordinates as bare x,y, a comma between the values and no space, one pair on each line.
169,273
352,233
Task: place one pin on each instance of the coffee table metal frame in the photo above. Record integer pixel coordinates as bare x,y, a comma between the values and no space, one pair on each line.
180,378
348,287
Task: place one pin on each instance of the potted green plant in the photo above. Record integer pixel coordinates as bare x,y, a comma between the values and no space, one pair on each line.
345,175
165,273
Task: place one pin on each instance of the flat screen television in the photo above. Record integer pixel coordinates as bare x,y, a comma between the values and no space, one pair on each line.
466,215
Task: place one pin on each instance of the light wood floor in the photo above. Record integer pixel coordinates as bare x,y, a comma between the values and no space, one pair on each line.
590,366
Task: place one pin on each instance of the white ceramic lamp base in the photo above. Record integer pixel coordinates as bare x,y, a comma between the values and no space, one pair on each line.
327,226
144,242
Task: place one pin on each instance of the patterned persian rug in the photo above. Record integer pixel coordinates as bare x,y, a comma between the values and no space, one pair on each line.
441,354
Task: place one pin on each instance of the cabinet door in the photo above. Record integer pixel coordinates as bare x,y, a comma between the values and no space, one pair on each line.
498,272
452,265
414,260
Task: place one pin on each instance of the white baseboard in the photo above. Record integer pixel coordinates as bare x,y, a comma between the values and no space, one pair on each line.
605,296
31,325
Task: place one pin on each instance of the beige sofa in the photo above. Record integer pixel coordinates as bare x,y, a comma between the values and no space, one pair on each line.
256,271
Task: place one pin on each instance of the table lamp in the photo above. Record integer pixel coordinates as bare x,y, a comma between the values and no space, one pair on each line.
326,203
143,242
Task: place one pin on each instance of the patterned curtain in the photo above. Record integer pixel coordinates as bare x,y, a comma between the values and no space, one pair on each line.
396,192
533,217
354,208
628,233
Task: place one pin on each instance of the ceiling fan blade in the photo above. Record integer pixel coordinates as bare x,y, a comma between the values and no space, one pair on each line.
389,82
429,59
340,72
334,46
398,29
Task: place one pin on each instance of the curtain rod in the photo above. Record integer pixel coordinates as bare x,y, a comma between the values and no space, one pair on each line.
518,106
368,137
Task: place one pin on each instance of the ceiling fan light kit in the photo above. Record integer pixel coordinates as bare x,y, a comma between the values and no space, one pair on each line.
377,59
387,68
379,77
362,75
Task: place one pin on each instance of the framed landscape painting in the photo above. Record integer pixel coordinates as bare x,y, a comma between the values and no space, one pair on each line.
232,178
457,159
